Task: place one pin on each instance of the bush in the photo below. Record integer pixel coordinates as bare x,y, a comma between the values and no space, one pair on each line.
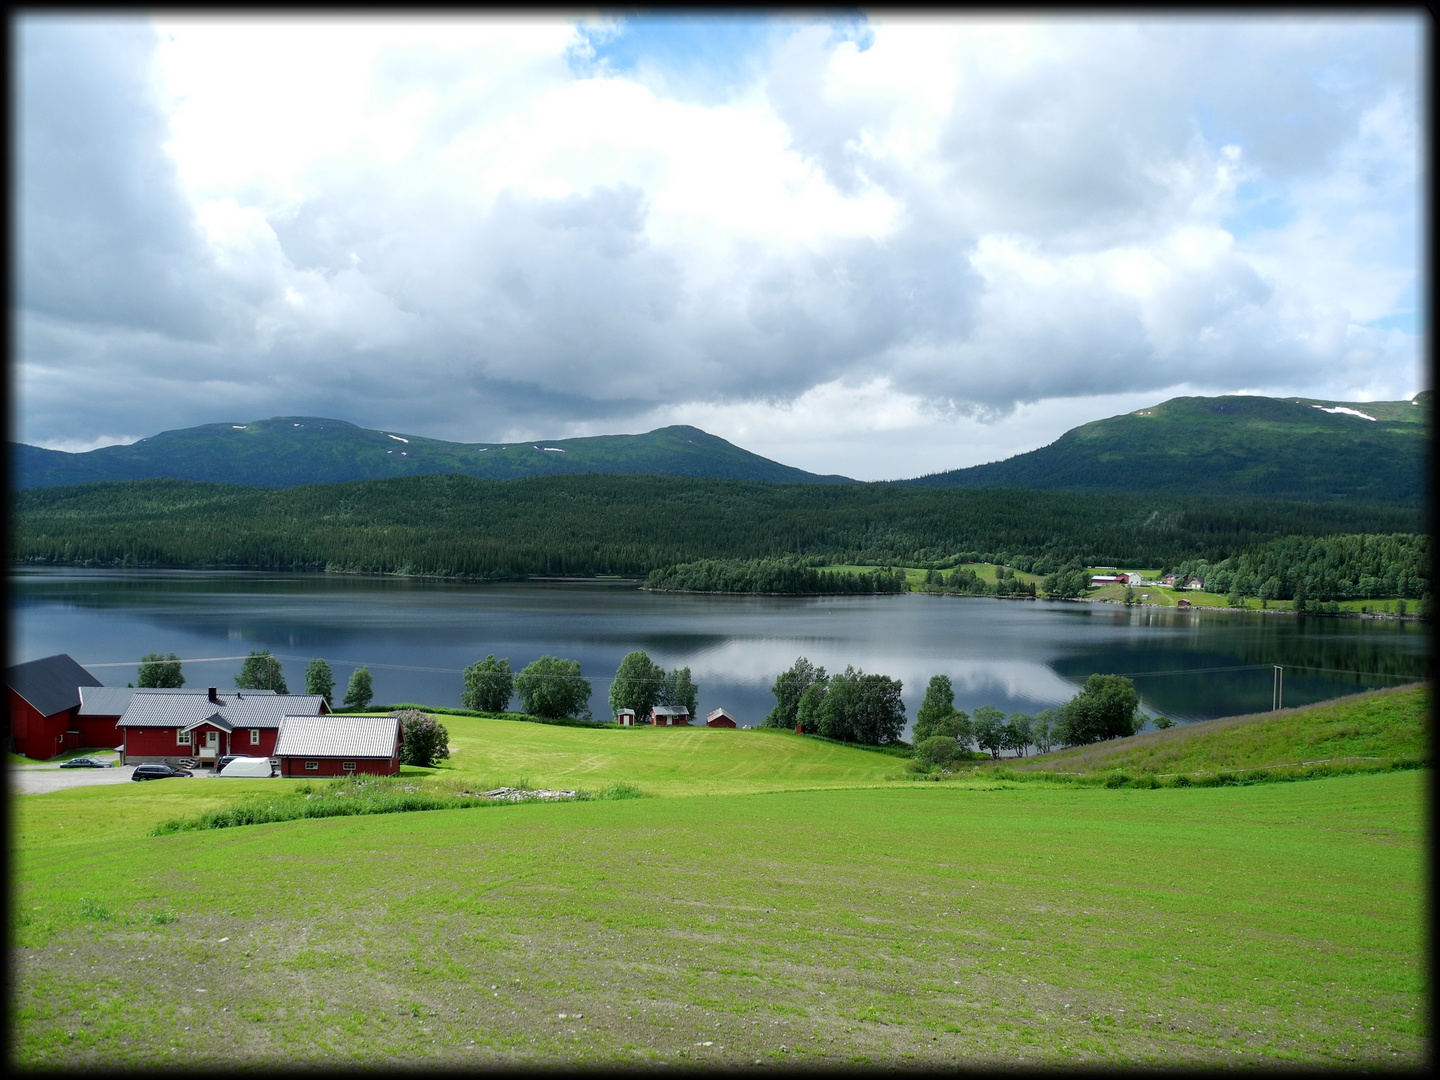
489,685
158,671
637,685
1105,708
425,742
361,690
319,679
938,750
553,688
261,671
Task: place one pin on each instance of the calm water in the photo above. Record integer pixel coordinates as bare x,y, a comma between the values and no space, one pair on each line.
416,636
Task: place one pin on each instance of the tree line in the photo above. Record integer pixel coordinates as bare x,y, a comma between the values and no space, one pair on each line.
788,577
963,580
1321,569
860,708
463,527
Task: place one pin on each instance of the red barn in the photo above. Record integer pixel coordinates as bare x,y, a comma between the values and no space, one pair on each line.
719,718
670,716
168,727
339,745
101,708
41,699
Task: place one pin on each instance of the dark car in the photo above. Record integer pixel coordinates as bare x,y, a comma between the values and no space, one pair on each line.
225,761
156,770
84,763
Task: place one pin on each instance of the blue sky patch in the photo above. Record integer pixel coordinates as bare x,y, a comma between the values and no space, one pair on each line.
1258,206
706,55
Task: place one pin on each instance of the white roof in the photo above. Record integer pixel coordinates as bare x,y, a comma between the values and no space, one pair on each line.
671,710
338,736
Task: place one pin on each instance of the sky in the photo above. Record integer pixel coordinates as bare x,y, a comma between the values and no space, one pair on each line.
872,245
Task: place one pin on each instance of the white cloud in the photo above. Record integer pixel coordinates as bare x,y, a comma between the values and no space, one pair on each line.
441,224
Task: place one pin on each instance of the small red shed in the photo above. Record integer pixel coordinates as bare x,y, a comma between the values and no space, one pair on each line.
339,745
719,718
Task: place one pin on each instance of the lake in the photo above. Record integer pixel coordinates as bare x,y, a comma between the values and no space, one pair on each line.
416,636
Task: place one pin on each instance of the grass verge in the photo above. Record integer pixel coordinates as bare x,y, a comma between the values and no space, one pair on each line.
352,796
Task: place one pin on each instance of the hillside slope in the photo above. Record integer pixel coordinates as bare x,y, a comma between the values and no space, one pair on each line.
1248,446
287,451
1382,726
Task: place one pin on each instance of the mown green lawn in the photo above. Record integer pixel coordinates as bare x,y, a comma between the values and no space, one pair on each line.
660,761
972,921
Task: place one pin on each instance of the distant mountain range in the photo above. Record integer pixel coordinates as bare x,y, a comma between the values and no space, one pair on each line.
287,451
1291,448
1284,448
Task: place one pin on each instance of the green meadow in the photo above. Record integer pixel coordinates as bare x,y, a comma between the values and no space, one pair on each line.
774,899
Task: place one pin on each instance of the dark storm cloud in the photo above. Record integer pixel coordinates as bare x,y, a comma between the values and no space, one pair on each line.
106,235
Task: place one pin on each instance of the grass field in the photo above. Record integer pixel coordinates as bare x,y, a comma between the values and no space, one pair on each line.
779,901
1382,727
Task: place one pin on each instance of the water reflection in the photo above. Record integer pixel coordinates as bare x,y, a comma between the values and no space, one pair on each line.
1014,654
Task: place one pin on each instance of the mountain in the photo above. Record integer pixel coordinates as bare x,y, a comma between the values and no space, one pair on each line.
286,451
1255,447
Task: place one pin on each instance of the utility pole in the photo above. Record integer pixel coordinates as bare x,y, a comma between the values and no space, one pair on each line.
1277,690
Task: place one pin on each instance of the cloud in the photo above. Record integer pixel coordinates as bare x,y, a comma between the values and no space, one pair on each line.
479,228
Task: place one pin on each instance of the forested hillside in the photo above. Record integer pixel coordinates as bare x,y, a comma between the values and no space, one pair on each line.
1322,568
1245,446
456,526
286,451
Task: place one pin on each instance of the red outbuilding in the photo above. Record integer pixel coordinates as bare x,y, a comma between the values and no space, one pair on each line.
41,699
100,710
719,718
339,745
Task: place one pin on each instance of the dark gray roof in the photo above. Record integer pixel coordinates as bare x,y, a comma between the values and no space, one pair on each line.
337,736
114,700
246,709
51,685
167,710
267,712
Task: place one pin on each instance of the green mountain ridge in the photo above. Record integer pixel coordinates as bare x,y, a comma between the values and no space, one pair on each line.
1287,448
289,451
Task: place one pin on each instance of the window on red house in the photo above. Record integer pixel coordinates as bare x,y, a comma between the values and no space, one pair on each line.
255,736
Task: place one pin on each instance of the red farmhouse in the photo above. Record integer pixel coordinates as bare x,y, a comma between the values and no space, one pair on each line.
719,718
339,745
168,727
41,700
